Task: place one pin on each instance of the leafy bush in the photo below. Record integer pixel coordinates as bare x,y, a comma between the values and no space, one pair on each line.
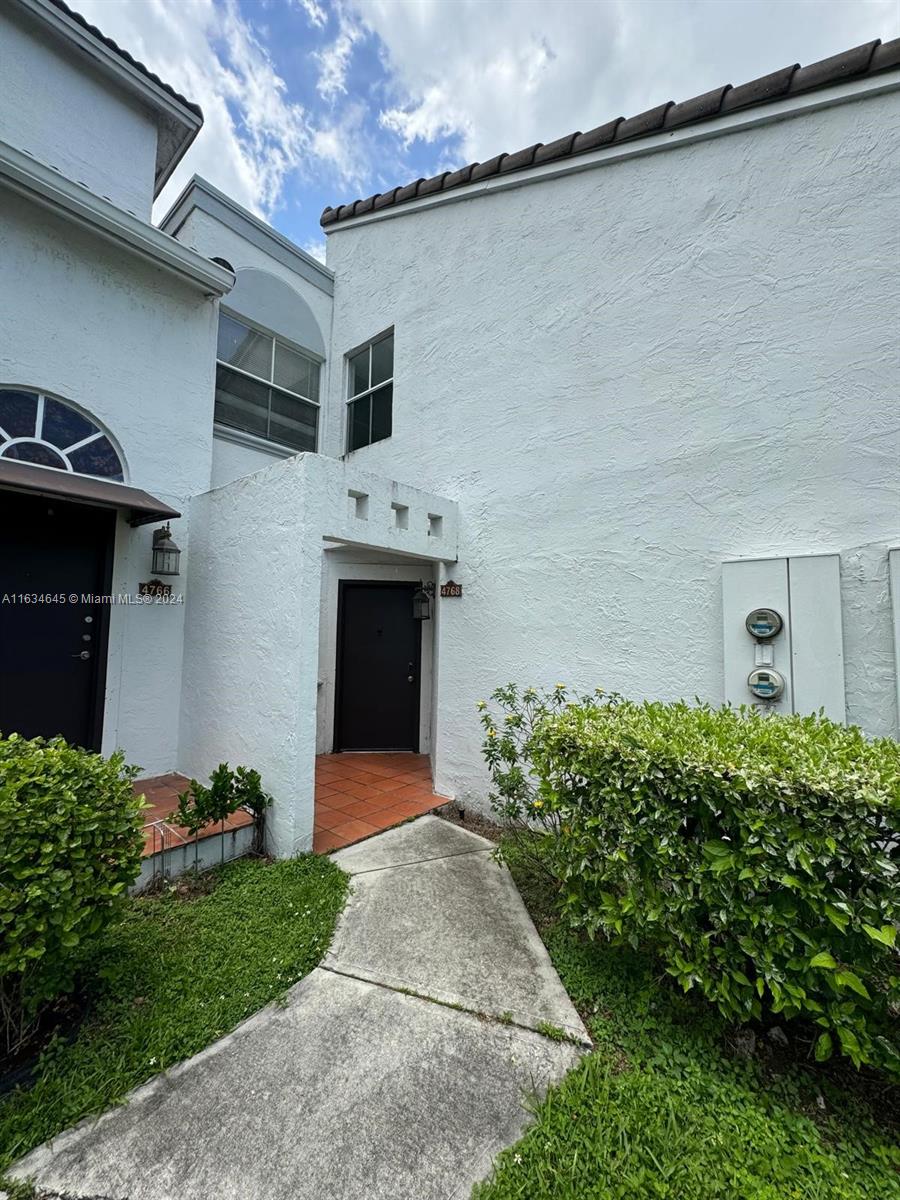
229,790
757,855
70,844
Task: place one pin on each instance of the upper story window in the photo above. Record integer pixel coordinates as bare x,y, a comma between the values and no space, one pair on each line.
370,390
41,430
266,387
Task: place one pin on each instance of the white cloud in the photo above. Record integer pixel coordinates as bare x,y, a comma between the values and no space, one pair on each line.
334,60
316,14
503,74
316,247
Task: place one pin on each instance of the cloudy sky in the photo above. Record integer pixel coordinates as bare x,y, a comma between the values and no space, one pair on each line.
315,102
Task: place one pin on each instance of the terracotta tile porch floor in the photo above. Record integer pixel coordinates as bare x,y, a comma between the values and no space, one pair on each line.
361,794
160,833
356,795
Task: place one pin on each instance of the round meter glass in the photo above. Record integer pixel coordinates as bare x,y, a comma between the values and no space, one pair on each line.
764,623
766,683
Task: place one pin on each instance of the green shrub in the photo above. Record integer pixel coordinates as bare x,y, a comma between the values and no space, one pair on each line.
229,790
70,845
757,855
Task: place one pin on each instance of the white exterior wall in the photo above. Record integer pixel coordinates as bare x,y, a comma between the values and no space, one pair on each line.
212,238
135,349
233,458
252,637
626,376
66,115
251,643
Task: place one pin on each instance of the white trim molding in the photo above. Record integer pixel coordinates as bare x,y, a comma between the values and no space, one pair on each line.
200,194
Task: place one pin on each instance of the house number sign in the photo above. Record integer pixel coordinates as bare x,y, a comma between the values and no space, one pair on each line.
449,589
154,587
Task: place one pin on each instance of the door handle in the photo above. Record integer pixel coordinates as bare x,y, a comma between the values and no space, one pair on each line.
410,678
83,654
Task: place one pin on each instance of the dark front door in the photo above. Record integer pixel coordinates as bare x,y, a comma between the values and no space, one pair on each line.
377,668
54,557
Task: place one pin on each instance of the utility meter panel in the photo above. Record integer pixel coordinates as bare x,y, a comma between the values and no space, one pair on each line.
783,639
817,635
755,596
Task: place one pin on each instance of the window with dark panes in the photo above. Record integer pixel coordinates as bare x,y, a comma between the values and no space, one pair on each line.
370,390
266,387
47,432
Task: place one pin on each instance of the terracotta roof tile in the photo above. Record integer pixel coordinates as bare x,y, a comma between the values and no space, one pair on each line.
407,193
834,69
593,139
385,198
697,109
455,178
650,121
758,91
429,186
558,149
519,160
483,169
867,59
886,55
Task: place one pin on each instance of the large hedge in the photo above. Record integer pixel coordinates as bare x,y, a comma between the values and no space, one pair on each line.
70,845
758,855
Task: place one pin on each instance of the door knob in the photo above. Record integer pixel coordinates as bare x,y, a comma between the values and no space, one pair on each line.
82,654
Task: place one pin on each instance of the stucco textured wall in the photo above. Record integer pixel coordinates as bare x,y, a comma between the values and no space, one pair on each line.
64,114
129,345
626,376
231,460
250,686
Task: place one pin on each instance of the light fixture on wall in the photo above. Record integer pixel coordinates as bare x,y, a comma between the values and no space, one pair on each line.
165,553
422,601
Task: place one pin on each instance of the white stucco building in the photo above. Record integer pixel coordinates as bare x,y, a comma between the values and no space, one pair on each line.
623,389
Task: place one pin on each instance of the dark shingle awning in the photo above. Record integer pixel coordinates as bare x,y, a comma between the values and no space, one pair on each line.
64,485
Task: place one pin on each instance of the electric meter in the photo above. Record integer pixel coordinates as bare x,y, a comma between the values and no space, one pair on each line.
766,683
764,623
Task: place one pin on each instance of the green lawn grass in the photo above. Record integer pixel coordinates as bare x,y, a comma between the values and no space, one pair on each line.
172,976
663,1111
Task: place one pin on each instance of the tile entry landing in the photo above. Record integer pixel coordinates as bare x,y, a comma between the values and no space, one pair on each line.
361,794
161,831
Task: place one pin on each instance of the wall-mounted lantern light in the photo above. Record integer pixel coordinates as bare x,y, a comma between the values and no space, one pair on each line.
422,601
165,553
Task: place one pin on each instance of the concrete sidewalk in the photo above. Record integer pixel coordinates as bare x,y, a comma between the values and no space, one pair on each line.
365,1085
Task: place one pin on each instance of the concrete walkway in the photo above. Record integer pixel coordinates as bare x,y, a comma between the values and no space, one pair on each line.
366,1084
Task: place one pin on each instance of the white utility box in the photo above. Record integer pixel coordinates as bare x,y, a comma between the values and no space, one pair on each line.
799,668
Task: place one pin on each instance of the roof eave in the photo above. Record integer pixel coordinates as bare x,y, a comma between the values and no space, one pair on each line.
664,139
43,185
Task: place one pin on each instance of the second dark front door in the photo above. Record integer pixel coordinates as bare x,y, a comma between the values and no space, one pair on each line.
378,657
55,563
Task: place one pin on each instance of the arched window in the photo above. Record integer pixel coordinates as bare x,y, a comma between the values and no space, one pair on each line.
39,429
